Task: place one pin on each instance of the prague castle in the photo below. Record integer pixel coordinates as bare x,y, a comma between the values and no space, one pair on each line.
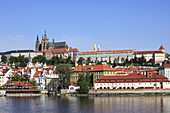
46,45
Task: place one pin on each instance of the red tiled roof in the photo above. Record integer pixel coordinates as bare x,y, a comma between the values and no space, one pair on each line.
74,83
62,50
109,51
37,73
147,52
131,78
73,50
165,65
161,47
98,67
18,83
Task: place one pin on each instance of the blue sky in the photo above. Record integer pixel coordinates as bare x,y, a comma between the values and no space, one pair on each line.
114,24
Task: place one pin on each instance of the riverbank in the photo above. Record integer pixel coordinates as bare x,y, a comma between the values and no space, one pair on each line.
129,91
123,92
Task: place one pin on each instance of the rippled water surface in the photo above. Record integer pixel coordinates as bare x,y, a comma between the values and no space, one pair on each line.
54,104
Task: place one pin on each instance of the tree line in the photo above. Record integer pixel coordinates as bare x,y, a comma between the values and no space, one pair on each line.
141,61
21,60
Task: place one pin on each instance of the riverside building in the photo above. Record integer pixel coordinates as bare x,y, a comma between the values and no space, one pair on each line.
133,81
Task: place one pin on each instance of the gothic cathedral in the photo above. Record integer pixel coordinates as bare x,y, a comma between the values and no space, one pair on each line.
46,45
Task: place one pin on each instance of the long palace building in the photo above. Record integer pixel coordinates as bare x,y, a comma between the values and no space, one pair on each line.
118,55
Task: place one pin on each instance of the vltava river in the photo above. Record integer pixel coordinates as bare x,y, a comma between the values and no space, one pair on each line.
68,104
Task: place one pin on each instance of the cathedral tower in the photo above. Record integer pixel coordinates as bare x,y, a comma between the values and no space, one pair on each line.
44,42
98,47
94,47
37,44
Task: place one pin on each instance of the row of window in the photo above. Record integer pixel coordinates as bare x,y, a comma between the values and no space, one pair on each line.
128,83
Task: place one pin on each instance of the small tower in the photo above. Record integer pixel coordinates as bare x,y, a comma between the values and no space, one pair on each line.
94,47
98,47
53,39
29,64
37,44
44,42
162,49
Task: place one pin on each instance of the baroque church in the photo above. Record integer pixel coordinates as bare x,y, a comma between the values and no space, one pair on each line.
46,45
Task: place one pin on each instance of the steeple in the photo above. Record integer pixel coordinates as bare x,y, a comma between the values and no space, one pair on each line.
98,47
37,39
45,35
162,49
37,44
29,56
94,47
53,39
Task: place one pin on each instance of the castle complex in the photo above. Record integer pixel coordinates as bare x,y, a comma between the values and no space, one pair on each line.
46,45
120,55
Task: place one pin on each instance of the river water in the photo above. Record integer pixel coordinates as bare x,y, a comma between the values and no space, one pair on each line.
68,104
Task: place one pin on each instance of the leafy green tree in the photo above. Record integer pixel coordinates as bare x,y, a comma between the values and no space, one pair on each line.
26,59
33,82
25,78
12,59
16,77
39,58
88,60
63,70
4,59
83,83
122,59
81,59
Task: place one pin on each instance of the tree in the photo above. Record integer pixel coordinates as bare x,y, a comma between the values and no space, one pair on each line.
88,60
33,82
122,59
4,59
25,78
39,58
83,83
16,77
63,70
81,59
12,59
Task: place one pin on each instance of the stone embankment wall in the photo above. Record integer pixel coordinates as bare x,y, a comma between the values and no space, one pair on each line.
2,92
22,95
130,91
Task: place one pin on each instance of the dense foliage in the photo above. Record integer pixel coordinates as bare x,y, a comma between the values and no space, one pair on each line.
4,59
125,62
20,61
25,78
63,70
85,82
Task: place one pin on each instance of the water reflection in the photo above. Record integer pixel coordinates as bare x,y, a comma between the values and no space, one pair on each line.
54,104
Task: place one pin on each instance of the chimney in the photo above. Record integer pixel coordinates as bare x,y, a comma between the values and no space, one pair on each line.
149,74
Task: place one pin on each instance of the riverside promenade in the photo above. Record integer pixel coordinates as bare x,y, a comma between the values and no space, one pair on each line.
129,91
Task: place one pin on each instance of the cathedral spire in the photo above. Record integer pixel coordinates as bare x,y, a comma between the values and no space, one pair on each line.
98,47
29,56
53,39
37,38
45,35
94,47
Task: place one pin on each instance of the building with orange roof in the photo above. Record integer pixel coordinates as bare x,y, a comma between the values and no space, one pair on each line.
18,85
96,71
62,53
133,81
165,70
121,55
157,56
5,72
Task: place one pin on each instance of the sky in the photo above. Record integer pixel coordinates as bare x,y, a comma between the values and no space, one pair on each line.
114,24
